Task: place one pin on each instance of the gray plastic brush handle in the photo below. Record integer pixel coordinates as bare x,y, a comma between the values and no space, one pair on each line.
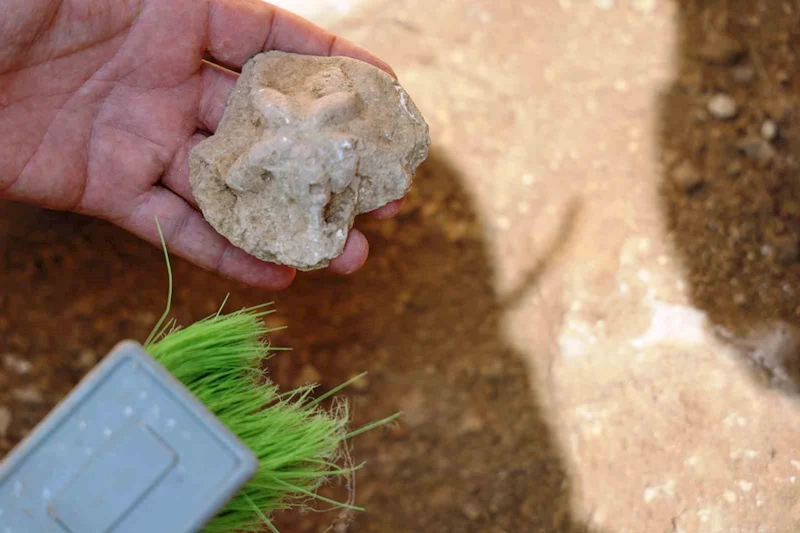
129,450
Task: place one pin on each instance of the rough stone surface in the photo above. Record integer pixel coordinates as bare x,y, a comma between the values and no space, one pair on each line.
305,145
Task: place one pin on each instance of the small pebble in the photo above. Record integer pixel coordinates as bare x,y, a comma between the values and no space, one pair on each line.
722,107
471,511
17,364
686,177
734,169
470,423
87,359
757,149
361,384
722,50
308,376
29,394
5,420
769,130
744,74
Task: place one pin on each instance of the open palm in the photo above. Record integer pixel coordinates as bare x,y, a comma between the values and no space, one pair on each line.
101,101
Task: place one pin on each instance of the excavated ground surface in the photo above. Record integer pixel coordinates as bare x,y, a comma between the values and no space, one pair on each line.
546,310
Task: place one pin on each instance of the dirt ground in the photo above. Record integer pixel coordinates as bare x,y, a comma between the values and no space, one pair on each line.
422,318
604,238
731,193
737,220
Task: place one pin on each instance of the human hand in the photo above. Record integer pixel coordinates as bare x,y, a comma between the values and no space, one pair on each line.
102,100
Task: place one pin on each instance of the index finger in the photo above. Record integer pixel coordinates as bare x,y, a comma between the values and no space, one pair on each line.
239,29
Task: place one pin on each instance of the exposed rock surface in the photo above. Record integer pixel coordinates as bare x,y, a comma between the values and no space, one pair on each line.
305,145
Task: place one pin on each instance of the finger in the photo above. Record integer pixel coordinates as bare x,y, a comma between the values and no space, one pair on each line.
239,29
189,236
176,178
216,85
389,210
354,255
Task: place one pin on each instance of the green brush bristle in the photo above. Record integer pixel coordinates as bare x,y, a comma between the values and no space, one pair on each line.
297,442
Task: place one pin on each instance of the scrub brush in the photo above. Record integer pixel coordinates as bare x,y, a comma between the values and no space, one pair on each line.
291,442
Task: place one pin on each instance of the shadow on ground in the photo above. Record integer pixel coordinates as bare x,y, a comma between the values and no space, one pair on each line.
473,452
729,143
